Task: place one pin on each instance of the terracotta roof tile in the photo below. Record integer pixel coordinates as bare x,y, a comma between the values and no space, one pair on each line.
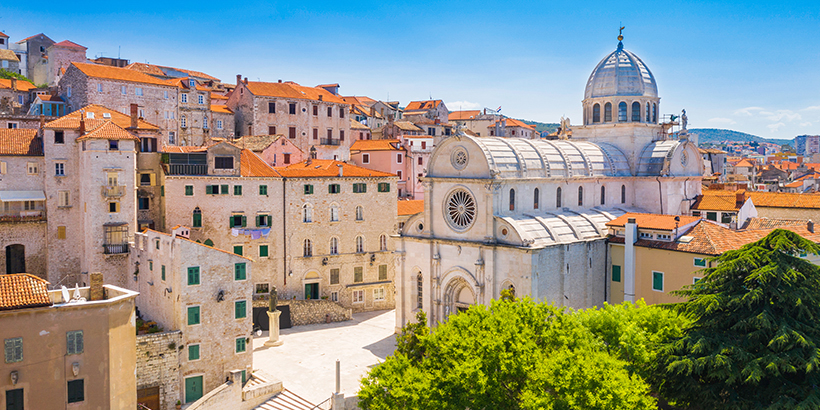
718,200
20,142
290,89
2,34
325,168
221,109
256,143
70,44
785,200
31,37
771,223
177,149
795,184
21,290
407,126
355,125
410,207
377,145
745,163
464,115
422,105
250,165
153,69
9,55
512,122
119,74
106,130
654,221
215,96
49,97
72,121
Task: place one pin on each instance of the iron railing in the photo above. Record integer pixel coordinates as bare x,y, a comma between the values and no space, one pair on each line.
113,191
330,141
115,249
187,169
23,216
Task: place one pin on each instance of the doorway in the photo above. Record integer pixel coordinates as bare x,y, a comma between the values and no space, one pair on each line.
15,259
193,389
14,399
312,291
149,397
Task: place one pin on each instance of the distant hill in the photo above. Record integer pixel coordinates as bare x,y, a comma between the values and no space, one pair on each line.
541,126
716,135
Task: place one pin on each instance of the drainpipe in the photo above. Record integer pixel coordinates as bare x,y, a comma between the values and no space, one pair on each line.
660,194
629,260
284,238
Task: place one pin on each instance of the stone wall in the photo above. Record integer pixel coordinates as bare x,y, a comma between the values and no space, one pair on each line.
158,365
308,312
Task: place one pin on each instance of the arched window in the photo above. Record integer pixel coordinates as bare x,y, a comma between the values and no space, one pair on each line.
511,288
308,248
383,242
359,244
654,113
623,194
359,213
512,200
334,246
307,213
558,197
197,218
622,111
580,196
648,113
608,112
636,112
596,113
535,198
603,195
334,213
209,242
419,291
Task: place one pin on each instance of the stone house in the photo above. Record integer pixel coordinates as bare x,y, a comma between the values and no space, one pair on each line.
476,121
9,61
118,88
22,198
365,114
359,131
15,97
309,116
60,56
204,292
222,121
388,156
390,110
512,128
33,50
69,349
430,109
731,208
275,150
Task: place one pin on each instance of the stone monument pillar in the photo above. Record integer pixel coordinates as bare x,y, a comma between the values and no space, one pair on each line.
273,320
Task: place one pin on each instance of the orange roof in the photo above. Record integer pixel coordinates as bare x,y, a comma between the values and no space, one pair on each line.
22,85
355,125
20,142
718,200
745,163
377,145
795,184
71,44
31,37
177,149
157,70
21,290
654,221
2,34
289,89
771,223
410,207
215,96
49,97
464,115
813,175
250,165
511,122
326,168
105,130
422,105
72,121
116,73
221,108
785,200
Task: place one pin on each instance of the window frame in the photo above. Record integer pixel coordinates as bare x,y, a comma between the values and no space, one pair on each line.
195,280
654,281
198,310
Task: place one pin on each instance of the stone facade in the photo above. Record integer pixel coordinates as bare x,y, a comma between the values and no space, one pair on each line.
310,312
158,362
37,62
60,56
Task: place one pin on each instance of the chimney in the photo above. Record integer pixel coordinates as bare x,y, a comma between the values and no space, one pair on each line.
238,79
372,111
134,114
629,259
246,81
82,122
280,80
810,226
13,84
42,125
321,97
96,291
341,170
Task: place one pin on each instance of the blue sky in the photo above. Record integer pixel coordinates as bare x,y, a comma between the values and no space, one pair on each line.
751,66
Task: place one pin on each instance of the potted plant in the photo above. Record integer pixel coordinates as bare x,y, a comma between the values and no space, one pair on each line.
179,405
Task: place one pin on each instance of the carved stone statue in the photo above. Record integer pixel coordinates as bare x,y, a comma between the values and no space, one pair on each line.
274,299
684,121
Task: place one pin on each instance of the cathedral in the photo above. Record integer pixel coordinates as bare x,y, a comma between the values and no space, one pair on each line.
529,215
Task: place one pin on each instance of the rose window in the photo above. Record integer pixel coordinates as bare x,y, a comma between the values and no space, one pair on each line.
460,209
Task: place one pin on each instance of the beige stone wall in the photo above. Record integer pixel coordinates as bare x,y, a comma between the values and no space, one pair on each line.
59,58
308,312
32,235
158,359
194,132
788,213
228,129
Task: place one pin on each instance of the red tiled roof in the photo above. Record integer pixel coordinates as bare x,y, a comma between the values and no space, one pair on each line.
72,121
771,223
157,70
464,115
221,108
215,96
512,122
422,105
21,290
745,163
2,34
795,184
105,130
289,89
49,97
785,200
324,168
250,165
377,145
410,207
116,73
31,37
718,200
22,85
20,142
654,221
71,44
177,149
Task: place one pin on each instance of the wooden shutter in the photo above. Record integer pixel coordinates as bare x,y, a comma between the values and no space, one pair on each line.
244,221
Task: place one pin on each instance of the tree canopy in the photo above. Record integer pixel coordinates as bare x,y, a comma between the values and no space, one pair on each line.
752,343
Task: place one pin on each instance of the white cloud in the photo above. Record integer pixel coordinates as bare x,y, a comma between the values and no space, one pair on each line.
812,108
805,124
776,127
722,121
748,111
462,105
780,115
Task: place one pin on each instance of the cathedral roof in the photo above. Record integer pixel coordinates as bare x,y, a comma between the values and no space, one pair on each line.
549,228
621,73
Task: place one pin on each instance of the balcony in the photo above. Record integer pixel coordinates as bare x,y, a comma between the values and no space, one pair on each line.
330,141
187,169
23,216
115,249
113,191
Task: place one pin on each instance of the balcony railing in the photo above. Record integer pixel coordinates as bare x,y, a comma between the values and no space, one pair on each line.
114,249
187,169
23,216
330,141
113,191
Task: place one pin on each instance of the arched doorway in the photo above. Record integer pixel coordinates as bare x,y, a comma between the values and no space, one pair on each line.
458,296
15,259
311,283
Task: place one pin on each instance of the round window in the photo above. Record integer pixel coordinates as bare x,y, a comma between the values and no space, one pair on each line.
459,158
504,231
420,227
461,209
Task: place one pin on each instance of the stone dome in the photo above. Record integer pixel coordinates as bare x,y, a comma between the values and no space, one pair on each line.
621,73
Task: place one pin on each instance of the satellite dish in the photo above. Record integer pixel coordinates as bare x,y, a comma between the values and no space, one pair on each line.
66,296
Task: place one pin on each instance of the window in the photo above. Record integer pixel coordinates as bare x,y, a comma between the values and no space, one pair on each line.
143,203
398,174
382,272
113,207
359,188
648,113
329,135
359,244
172,138
263,251
197,218
334,246
307,213
292,132
59,169
165,94
271,108
645,235
263,220
712,216
334,213
193,275
237,250
384,187
32,168
603,195
623,194
163,271
205,122
365,158
358,274
616,273
657,281
655,113
183,98
358,296
240,345
399,158
223,162
76,391
695,213
535,198
183,122
636,112
621,111
240,271
419,291
700,262
13,349
193,352
263,189
201,99
512,200
292,108
596,113
271,129
315,133
59,137
341,112
189,190
726,217
421,162
329,111
262,288
315,110
68,90
307,249
359,213
219,124
237,190
193,315
664,237
240,309
580,196
378,294
334,188
695,279
608,112
558,197
308,189
74,342
61,232
383,242
138,91
285,158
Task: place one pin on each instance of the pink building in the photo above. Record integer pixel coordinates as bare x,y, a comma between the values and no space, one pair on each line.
398,157
276,150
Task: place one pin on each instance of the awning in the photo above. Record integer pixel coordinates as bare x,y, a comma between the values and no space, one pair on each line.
12,196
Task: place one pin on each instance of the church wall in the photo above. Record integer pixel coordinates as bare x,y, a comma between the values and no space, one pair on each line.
571,275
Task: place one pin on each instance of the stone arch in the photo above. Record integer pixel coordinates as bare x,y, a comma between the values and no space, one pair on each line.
507,284
459,291
311,283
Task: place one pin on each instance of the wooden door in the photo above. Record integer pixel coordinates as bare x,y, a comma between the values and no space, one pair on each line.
14,399
193,388
149,397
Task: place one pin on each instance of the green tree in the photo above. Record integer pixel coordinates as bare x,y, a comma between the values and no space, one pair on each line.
752,343
511,355
6,74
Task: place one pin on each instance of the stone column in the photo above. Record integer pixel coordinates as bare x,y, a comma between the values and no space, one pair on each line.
273,325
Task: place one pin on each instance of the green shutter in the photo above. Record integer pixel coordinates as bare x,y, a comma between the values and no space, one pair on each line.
207,190
382,272
193,315
258,224
244,221
162,190
363,189
240,345
193,275
263,251
700,262
197,220
193,352
240,309
237,249
616,273
223,190
237,189
657,281
240,271
163,272
263,189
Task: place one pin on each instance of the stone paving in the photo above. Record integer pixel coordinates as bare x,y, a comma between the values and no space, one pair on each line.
306,362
